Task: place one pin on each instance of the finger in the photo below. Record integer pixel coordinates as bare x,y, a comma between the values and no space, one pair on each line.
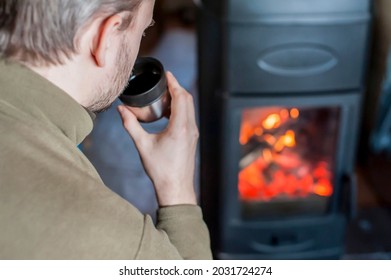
131,124
191,110
189,98
178,102
173,84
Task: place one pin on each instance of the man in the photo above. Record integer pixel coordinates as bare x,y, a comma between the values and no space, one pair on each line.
62,60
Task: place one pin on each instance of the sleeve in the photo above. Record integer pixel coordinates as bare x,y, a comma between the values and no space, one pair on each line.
180,233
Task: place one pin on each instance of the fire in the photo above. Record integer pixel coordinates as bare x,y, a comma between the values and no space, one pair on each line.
294,113
272,121
323,188
284,114
287,140
245,133
277,168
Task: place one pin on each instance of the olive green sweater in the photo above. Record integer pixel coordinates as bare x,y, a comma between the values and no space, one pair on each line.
53,204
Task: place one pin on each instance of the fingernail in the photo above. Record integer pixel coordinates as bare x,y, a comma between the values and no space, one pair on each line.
120,109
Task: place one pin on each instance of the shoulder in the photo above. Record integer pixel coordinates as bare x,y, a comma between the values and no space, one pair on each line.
57,207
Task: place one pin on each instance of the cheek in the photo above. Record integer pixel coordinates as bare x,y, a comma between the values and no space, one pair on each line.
134,47
137,41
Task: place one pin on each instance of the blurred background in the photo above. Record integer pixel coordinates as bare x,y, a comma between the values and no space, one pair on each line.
175,41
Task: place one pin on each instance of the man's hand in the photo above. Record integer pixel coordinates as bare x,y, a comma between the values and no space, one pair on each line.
169,157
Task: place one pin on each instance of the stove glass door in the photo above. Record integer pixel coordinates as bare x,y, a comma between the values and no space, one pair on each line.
287,161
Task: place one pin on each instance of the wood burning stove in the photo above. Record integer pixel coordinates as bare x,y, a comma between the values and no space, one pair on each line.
280,86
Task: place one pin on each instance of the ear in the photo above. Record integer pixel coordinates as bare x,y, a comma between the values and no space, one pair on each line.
103,41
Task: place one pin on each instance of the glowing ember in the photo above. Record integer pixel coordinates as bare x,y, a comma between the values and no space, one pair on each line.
284,114
272,121
277,167
245,133
295,113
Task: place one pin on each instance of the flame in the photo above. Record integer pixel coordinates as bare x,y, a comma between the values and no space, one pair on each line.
270,139
284,114
267,155
323,188
245,133
287,140
279,146
272,121
258,131
280,169
295,113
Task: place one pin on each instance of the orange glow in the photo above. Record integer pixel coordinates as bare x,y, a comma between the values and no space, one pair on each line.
284,114
245,133
267,155
270,139
280,145
306,184
280,169
295,113
321,171
250,182
323,188
258,131
272,121
289,139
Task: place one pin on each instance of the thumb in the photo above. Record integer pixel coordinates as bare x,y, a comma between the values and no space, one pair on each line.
131,124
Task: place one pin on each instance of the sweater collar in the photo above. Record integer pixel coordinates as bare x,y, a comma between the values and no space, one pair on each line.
35,96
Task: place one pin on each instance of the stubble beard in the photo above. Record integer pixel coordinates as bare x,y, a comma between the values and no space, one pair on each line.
115,84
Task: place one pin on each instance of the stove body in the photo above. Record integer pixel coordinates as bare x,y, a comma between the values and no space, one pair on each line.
280,88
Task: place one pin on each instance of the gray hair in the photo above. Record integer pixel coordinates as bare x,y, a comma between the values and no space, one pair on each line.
44,32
